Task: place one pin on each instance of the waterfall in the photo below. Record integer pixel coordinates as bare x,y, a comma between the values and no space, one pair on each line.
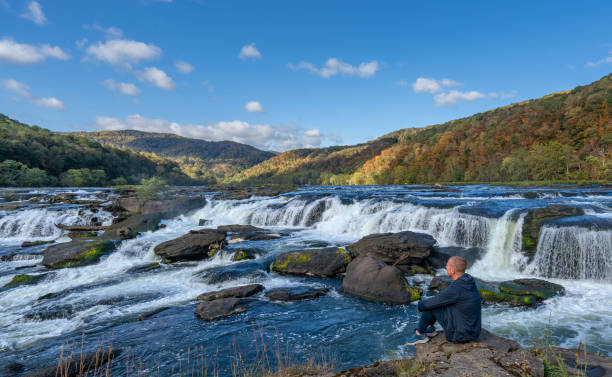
39,223
573,252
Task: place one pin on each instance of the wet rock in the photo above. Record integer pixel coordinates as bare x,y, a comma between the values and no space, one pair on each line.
440,255
316,213
54,312
295,293
490,292
144,316
578,362
225,307
374,280
254,236
489,355
218,275
235,292
539,288
204,222
395,248
326,262
35,243
534,220
76,253
20,280
235,228
18,257
81,234
13,369
131,226
438,283
317,244
244,254
379,369
194,245
95,363
144,268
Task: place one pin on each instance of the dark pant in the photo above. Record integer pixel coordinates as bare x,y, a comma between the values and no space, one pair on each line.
429,317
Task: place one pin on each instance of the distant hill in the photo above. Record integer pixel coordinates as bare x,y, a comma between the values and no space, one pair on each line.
34,156
561,136
202,159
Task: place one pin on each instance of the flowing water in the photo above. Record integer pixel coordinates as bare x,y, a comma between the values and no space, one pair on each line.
101,302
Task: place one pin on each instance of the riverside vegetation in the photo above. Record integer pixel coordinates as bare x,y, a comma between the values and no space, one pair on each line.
565,136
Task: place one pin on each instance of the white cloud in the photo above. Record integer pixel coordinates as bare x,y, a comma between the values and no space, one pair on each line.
262,136
128,89
24,91
34,13
111,32
123,52
454,96
607,59
22,53
184,67
402,83
254,107
249,52
81,43
334,67
503,95
157,77
425,85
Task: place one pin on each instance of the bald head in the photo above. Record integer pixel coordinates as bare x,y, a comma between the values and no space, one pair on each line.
455,267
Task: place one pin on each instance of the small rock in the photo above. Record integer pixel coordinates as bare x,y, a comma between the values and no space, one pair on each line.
144,316
225,307
295,294
13,368
199,244
235,292
204,222
244,254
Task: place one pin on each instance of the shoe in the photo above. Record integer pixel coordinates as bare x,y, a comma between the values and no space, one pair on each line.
431,331
417,339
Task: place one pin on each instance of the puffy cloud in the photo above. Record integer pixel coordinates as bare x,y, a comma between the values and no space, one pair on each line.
184,67
425,85
454,96
334,67
157,77
35,13
24,91
607,59
262,136
22,53
128,89
111,32
123,52
249,52
254,107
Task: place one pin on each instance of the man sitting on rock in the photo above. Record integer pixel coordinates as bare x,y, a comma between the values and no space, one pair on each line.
457,308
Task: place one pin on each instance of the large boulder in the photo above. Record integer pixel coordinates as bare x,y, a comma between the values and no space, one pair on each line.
489,355
295,293
76,253
539,288
235,292
404,248
224,307
327,262
194,245
440,255
374,280
131,226
535,218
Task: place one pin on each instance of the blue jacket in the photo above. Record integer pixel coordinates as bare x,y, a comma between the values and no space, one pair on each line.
462,307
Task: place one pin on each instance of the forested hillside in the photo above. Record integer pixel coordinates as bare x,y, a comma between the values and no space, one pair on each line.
201,159
34,156
562,136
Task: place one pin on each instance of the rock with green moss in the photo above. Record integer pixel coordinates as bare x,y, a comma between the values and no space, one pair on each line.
23,279
144,268
81,234
76,253
326,262
195,245
245,254
492,297
539,288
371,279
35,243
533,223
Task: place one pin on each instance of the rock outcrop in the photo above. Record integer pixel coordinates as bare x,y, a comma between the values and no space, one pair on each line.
533,223
540,289
400,249
76,253
199,244
235,292
327,262
224,307
374,280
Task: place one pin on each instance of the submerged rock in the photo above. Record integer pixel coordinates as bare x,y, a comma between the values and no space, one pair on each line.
146,315
403,248
533,223
35,243
235,228
539,288
254,271
326,262
131,226
374,280
82,234
199,244
224,307
295,293
95,363
23,279
144,268
235,292
76,253
244,254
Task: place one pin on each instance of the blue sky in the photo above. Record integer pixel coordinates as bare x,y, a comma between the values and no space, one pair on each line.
287,74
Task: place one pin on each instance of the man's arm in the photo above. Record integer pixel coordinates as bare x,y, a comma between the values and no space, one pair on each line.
446,297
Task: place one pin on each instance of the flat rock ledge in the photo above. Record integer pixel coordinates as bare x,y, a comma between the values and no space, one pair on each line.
235,292
295,293
216,309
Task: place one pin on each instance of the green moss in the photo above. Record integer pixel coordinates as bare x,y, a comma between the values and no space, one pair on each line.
291,258
82,235
241,255
90,255
213,252
22,280
345,254
35,243
504,298
415,292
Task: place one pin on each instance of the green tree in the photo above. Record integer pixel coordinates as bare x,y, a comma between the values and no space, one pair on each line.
151,189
